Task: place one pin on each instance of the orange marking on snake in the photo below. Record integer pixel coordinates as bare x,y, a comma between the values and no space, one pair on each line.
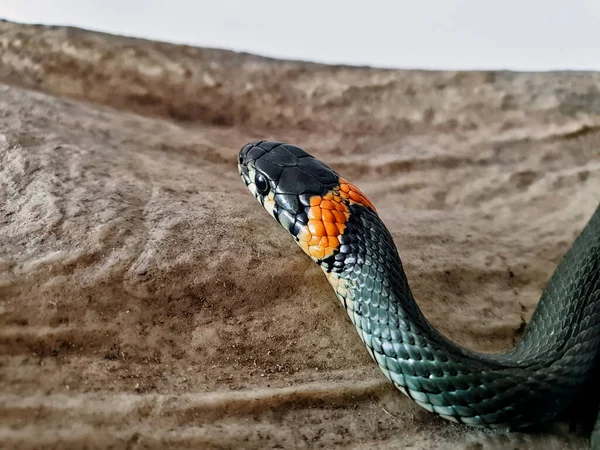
327,217
352,193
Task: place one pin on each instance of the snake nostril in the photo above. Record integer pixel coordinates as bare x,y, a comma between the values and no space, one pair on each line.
241,159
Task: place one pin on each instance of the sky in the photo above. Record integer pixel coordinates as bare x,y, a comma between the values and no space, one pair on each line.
527,35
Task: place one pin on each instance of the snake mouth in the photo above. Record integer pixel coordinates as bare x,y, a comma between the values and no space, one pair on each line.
243,171
247,158
247,172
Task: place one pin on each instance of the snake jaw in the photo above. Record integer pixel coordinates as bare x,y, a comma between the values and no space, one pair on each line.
248,177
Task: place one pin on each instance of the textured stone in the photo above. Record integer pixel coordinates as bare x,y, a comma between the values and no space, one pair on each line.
146,299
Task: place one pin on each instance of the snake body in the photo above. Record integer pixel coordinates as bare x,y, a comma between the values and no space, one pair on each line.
339,228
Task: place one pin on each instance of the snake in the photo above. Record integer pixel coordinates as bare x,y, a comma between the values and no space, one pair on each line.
531,384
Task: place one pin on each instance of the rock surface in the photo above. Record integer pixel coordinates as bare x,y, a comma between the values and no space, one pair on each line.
147,301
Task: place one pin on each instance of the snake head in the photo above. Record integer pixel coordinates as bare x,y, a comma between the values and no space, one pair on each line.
303,194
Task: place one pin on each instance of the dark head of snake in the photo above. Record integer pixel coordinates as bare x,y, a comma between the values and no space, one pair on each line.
339,228
310,200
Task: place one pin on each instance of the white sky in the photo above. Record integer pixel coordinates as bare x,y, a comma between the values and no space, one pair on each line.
439,34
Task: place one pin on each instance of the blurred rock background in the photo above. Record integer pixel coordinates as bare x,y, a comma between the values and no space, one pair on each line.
147,301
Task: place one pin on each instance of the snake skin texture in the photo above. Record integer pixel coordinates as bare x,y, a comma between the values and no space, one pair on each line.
530,384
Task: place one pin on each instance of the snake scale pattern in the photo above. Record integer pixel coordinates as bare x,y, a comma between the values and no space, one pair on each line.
339,228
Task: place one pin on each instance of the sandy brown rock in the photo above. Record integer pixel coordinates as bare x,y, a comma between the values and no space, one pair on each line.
147,301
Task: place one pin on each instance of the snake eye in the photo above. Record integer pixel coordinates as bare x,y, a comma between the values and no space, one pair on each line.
261,184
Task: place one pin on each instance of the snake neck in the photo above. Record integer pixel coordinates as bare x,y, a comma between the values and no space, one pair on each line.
529,384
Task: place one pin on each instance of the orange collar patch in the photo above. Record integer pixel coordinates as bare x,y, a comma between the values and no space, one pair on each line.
327,218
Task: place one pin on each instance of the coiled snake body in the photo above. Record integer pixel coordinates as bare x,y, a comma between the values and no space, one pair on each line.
339,228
